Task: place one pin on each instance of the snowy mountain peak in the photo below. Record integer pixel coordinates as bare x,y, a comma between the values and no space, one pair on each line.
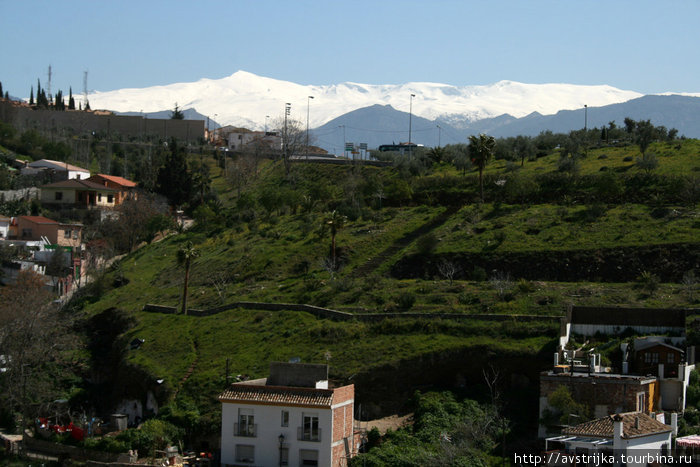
248,100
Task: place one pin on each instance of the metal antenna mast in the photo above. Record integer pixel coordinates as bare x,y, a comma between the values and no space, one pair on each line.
49,88
85,89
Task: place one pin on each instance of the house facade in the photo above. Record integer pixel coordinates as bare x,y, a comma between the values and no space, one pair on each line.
38,227
79,193
290,418
125,189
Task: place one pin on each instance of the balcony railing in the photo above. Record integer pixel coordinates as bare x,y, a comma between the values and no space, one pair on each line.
308,434
245,430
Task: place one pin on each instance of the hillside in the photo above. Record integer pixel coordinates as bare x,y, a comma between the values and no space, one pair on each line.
542,239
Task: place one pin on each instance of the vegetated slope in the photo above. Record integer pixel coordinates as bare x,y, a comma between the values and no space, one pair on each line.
268,245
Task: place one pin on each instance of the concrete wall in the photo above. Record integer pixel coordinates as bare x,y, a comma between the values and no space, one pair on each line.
114,126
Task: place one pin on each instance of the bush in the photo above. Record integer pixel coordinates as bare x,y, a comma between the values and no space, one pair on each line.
405,301
427,243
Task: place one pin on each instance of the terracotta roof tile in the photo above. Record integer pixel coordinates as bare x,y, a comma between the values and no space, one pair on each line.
603,427
39,219
277,395
116,179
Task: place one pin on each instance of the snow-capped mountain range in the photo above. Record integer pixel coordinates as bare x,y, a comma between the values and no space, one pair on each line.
247,100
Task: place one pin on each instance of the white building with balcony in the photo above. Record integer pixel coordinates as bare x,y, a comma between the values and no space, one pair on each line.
290,418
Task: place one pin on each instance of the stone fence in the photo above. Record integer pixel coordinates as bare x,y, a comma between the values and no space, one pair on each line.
336,315
40,446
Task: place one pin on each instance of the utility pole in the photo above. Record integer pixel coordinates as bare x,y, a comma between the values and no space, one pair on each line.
308,101
410,118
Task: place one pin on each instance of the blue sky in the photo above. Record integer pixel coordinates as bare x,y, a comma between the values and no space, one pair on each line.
645,46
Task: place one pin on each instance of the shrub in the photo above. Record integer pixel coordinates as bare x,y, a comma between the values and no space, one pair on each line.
525,286
479,274
648,282
405,301
427,243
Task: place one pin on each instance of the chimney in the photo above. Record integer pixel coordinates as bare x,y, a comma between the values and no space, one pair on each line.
674,423
617,431
636,422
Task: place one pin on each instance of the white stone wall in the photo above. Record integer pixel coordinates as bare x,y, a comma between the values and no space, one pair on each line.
268,419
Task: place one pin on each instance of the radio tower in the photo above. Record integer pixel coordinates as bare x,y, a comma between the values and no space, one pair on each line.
49,88
85,92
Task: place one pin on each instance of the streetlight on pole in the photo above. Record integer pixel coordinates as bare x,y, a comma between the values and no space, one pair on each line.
308,102
410,118
439,130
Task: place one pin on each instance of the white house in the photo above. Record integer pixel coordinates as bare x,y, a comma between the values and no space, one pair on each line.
69,170
290,418
635,435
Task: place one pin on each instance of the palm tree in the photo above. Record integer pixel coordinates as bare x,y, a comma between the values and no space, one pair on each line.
184,257
481,149
335,221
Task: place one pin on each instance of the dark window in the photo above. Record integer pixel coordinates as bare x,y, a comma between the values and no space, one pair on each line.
670,358
110,198
59,195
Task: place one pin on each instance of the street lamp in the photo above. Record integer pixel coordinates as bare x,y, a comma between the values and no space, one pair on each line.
308,101
281,440
410,118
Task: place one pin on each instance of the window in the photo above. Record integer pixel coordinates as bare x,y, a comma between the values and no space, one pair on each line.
308,457
75,234
285,418
245,453
58,195
641,402
647,357
66,233
99,197
309,430
670,358
110,198
246,423
655,357
26,233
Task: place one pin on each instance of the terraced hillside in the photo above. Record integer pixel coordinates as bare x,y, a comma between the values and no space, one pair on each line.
410,243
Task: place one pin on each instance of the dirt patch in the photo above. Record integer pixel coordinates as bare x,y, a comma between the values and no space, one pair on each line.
391,422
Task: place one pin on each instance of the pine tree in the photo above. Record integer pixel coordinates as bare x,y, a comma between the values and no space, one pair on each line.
31,96
87,104
71,101
177,114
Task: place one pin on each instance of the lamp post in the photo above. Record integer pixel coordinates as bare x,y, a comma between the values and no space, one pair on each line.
410,118
308,101
344,144
281,440
439,131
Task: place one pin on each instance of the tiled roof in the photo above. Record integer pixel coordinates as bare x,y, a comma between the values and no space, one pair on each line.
40,163
277,395
118,180
78,184
603,427
39,219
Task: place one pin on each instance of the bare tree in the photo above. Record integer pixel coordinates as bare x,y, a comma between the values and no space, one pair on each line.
448,270
33,336
293,140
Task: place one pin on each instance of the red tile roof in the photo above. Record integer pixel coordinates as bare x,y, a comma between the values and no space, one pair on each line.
39,219
118,180
604,427
278,395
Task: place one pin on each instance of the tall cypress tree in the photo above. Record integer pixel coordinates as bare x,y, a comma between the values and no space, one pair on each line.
71,101
1,94
174,180
31,96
